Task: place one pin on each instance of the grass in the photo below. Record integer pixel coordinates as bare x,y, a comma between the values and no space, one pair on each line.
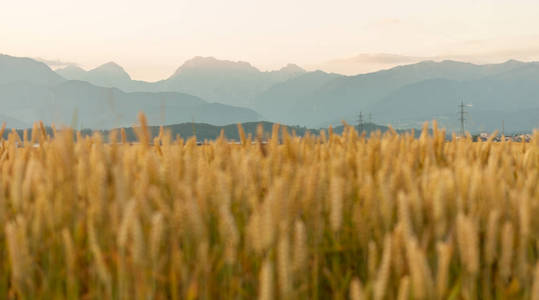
325,217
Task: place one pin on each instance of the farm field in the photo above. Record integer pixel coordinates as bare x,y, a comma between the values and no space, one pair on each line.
317,217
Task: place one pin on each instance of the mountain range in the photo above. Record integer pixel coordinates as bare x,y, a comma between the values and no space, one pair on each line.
31,91
227,82
219,92
17,69
406,96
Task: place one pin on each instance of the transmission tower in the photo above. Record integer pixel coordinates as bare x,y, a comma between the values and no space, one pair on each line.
360,122
462,118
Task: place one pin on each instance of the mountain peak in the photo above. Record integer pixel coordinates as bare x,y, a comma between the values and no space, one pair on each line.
112,69
292,68
204,64
200,60
71,72
110,66
13,69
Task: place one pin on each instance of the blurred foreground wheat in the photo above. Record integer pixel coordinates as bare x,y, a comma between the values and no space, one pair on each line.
329,217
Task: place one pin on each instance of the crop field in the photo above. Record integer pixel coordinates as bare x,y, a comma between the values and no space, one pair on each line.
317,217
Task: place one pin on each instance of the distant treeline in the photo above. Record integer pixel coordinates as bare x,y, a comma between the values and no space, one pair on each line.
207,132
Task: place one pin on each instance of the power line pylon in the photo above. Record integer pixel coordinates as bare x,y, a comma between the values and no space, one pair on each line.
462,118
360,122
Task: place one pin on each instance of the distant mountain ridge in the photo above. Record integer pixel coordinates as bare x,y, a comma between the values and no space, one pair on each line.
31,91
223,81
96,107
283,102
201,64
106,75
16,69
404,96
343,97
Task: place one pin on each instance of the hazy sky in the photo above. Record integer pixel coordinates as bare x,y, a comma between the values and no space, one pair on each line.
152,38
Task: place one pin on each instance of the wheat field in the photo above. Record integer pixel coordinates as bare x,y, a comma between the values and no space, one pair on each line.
317,217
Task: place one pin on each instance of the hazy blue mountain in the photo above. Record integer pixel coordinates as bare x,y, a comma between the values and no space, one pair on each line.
80,103
106,75
109,73
212,79
404,96
14,69
526,72
227,82
281,102
287,72
343,97
72,72
516,102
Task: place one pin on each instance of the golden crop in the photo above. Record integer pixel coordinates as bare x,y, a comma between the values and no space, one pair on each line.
329,217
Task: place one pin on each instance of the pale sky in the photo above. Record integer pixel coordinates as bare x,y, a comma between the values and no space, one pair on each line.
150,39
